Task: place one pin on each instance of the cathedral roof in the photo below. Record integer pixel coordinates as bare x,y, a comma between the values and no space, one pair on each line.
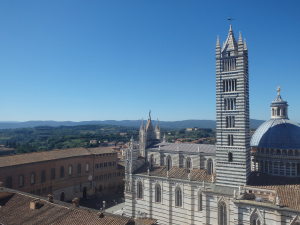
277,133
185,147
179,173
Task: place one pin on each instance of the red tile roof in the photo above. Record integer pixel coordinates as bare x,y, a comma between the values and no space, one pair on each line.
26,158
15,210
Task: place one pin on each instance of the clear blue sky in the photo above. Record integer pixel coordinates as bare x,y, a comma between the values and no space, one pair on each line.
97,60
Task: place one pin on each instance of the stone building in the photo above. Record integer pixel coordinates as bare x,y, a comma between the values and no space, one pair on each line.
181,184
68,173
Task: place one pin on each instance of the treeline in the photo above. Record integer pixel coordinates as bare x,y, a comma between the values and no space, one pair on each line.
48,138
184,135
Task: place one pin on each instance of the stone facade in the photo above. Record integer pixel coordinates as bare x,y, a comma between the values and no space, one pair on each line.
233,139
66,173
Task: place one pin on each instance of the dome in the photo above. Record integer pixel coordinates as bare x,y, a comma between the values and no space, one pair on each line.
277,134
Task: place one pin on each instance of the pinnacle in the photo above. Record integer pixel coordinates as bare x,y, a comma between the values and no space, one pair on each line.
245,45
218,41
240,38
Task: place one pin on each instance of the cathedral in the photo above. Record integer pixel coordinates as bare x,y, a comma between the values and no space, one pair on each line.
241,180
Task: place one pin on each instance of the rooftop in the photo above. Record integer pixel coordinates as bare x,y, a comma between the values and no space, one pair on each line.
277,133
15,210
185,147
178,173
12,160
287,188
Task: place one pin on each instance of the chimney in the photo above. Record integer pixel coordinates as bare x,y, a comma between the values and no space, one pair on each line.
75,202
50,198
101,215
35,204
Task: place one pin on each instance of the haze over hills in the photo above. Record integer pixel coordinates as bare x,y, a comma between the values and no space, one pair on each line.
127,123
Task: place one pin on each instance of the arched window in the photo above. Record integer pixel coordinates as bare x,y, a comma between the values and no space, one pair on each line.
162,162
139,189
222,214
254,220
169,162
87,167
210,166
32,178
151,161
178,197
230,157
200,201
230,140
70,170
21,180
188,163
157,193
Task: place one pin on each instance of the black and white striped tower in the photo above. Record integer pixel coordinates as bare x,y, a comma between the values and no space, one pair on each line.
232,95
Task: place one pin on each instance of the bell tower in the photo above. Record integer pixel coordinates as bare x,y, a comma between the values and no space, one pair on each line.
232,99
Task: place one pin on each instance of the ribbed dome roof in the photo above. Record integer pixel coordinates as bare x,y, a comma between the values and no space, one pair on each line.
277,133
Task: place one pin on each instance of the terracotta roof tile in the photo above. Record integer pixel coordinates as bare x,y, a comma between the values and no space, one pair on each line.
15,210
287,189
13,160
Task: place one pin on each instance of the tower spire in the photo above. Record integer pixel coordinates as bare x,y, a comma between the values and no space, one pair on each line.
230,43
245,45
218,47
240,38
218,41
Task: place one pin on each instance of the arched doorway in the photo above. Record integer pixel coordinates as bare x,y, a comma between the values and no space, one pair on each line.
62,196
84,193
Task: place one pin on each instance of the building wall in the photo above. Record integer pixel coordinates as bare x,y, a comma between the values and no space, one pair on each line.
238,212
92,180
199,161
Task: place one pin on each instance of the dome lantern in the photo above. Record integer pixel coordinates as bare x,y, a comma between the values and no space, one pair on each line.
279,107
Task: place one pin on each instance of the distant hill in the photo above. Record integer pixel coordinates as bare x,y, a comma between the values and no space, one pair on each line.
127,123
